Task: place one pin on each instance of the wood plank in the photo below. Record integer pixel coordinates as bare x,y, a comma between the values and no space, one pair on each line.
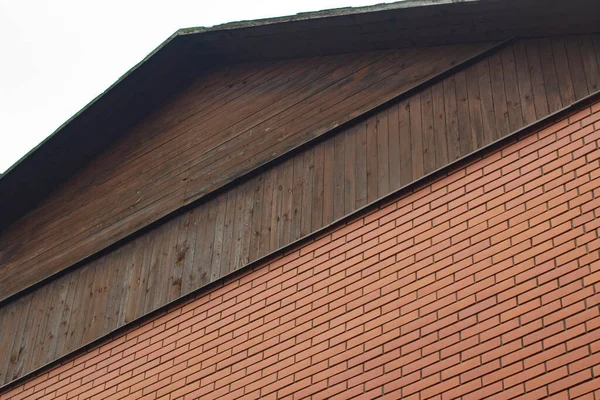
550,74
372,192
596,40
511,85
488,112
137,280
188,270
35,329
416,137
501,118
246,231
276,209
238,226
65,318
180,253
567,91
297,195
590,66
576,67
540,99
475,111
395,154
169,189
9,321
429,145
339,190
304,192
383,144
257,214
287,182
308,185
228,234
451,117
404,125
19,350
55,307
218,247
206,260
524,82
361,164
440,132
328,182
269,190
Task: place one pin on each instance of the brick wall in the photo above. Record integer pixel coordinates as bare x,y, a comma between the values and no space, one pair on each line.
482,284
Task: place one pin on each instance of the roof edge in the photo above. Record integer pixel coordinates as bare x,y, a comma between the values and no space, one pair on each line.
312,15
91,103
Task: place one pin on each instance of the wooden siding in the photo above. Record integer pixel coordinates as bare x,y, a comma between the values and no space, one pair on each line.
496,96
232,120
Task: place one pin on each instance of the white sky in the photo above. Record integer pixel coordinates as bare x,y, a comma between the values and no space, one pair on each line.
56,56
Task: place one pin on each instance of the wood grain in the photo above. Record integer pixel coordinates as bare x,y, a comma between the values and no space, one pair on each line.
292,198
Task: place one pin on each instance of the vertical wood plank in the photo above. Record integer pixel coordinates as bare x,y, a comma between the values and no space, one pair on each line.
550,75
319,188
286,202
238,226
394,147
99,299
524,81
540,99
65,318
361,164
55,307
297,194
338,176
502,121
350,169
596,40
19,344
429,144
475,113
35,334
563,71
276,211
308,184
228,233
406,146
576,67
488,113
10,320
257,211
416,137
372,159
439,125
511,85
204,258
590,66
328,182
216,260
141,271
383,145
269,190
188,272
246,233
180,251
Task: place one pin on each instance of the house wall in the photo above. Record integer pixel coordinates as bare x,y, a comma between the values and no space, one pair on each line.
515,86
481,283
231,120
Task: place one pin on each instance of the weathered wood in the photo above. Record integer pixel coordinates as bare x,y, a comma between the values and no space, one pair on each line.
194,150
290,199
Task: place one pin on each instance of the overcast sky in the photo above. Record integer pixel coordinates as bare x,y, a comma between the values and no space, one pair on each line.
56,56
